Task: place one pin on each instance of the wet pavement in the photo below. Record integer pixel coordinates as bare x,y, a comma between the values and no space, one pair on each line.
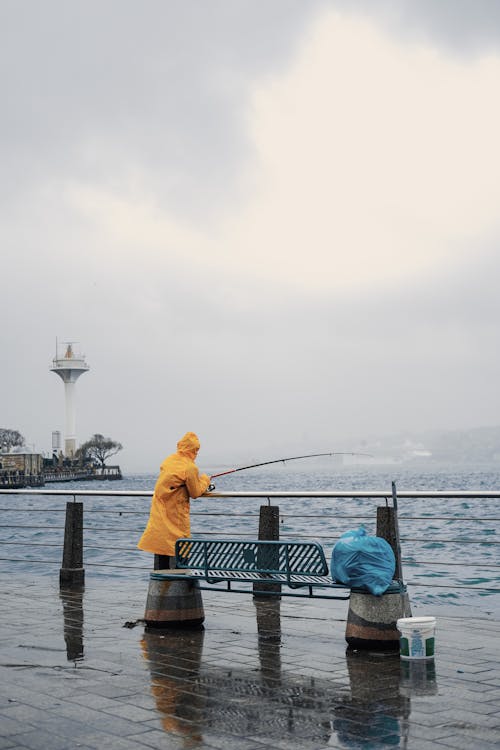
260,675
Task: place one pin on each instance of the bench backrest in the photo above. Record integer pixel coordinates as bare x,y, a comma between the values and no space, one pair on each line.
235,555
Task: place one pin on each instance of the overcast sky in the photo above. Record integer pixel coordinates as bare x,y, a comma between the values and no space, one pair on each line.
273,223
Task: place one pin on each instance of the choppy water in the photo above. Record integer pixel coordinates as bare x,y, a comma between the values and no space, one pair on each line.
450,547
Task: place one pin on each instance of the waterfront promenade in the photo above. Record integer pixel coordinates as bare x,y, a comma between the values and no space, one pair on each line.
260,675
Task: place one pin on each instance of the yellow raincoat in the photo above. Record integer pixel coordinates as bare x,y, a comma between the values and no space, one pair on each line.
169,515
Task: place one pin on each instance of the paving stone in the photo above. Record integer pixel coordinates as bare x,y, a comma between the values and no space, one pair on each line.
91,700
24,714
41,740
108,742
228,687
419,731
68,728
464,742
159,740
127,711
7,743
417,743
9,727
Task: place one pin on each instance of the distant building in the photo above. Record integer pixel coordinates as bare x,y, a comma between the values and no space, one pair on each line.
21,469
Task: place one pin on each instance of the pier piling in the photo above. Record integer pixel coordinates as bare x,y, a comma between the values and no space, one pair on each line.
386,529
269,530
72,573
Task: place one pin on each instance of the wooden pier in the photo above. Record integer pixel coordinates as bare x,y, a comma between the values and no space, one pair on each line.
78,473
18,479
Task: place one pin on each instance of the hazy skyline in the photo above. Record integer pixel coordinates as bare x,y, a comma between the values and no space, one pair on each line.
273,224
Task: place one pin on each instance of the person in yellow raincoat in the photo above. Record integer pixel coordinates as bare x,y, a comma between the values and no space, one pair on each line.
179,480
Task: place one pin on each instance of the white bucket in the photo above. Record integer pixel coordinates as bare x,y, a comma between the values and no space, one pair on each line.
417,637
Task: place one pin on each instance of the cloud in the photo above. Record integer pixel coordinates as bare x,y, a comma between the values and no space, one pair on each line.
377,161
458,27
103,90
374,162
272,229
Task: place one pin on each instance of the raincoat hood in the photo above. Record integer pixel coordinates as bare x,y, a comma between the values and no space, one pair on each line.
189,445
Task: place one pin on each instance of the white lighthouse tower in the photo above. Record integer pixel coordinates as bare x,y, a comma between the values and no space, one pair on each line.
69,368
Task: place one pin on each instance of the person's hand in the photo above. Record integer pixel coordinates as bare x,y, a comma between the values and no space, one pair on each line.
211,486
208,479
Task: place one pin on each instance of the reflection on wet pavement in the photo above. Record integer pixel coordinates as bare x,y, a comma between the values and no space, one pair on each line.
195,697
418,678
263,674
72,601
374,714
174,661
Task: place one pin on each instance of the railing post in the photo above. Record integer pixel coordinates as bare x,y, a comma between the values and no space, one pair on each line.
387,528
269,523
269,530
72,574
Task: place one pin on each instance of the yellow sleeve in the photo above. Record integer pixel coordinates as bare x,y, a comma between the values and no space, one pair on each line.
196,484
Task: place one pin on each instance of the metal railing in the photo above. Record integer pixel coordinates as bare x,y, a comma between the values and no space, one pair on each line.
449,538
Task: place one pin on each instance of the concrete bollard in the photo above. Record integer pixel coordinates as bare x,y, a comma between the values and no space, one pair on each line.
371,620
269,530
72,574
173,604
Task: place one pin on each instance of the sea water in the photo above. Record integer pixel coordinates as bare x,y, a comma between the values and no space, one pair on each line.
449,546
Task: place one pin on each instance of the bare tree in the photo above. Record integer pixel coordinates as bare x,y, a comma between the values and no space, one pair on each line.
10,439
98,448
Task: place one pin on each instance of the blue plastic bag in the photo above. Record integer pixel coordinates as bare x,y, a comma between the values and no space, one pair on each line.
363,561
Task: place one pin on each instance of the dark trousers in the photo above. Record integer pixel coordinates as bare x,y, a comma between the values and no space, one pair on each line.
164,562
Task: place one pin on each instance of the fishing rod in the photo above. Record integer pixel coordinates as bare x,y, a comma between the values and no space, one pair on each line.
284,460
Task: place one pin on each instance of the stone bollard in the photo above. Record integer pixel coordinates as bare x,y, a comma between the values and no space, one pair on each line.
371,620
173,604
269,530
72,574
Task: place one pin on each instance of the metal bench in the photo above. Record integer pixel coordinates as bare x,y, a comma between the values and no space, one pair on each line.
226,563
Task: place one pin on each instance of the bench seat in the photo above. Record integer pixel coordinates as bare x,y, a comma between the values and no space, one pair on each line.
301,567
